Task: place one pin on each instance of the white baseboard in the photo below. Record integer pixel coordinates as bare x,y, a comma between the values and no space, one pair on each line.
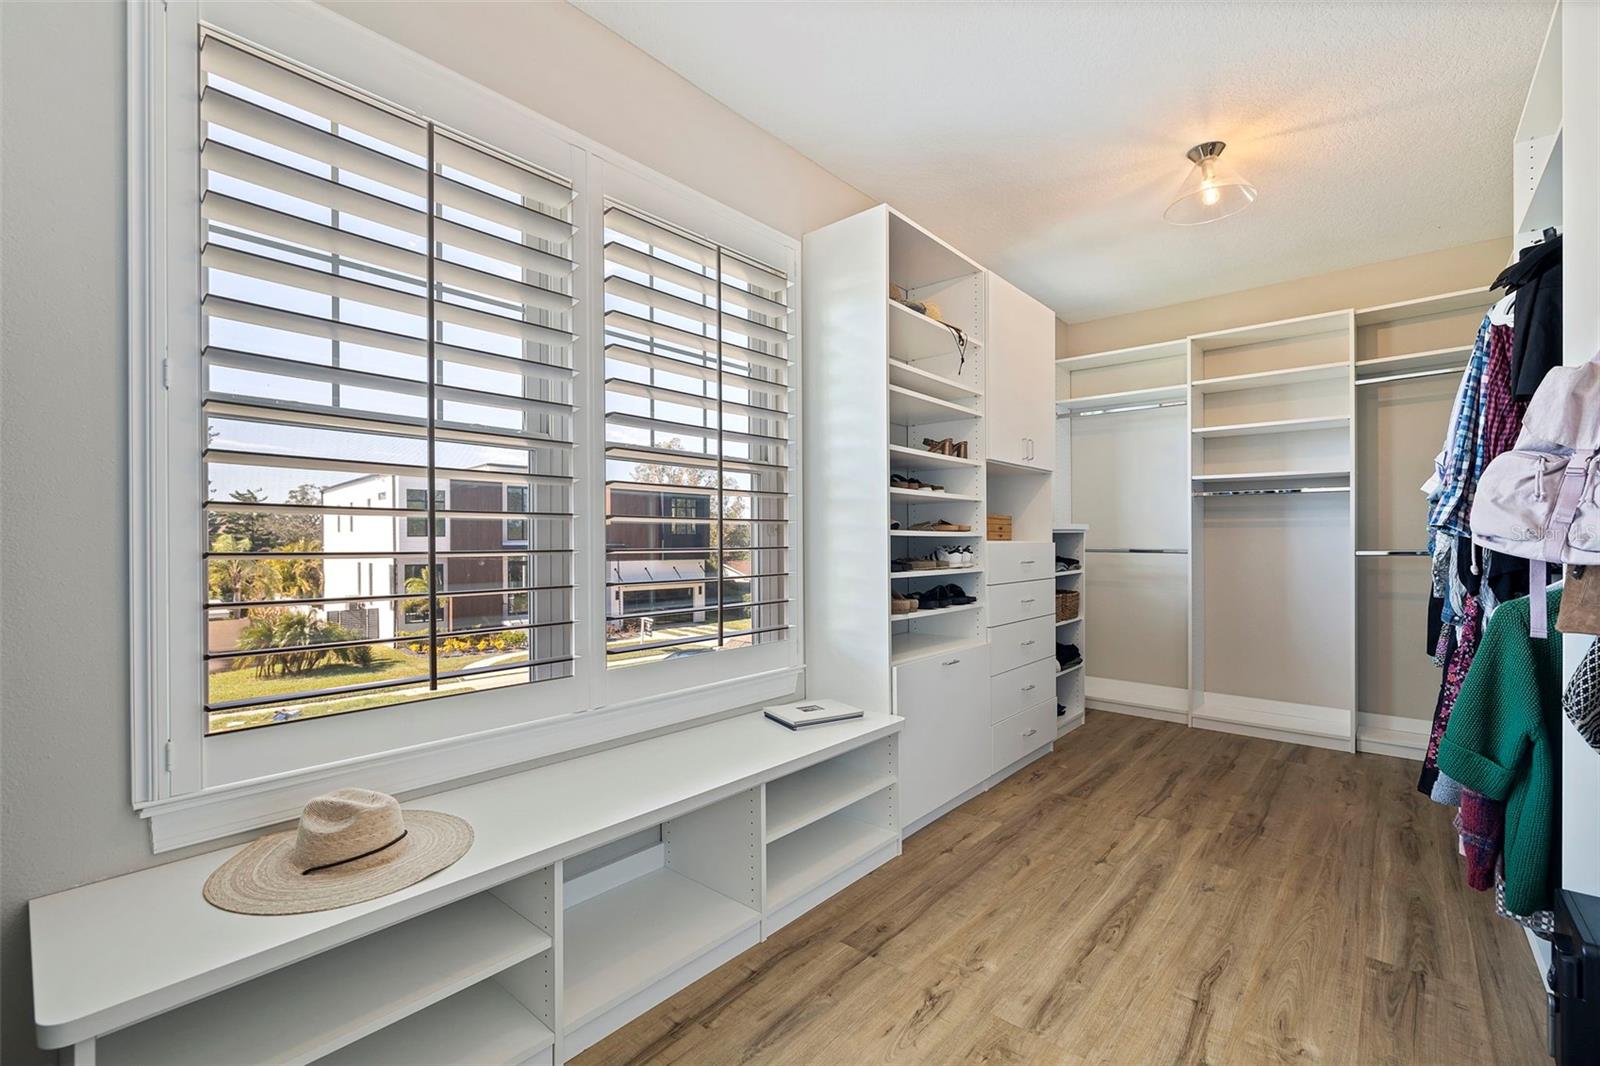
1225,711
1389,734
1161,702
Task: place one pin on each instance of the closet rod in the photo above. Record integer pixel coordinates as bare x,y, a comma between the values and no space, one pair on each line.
1394,551
1141,551
1123,410
1413,374
1273,492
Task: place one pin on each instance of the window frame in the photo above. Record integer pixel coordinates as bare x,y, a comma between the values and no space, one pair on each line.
190,786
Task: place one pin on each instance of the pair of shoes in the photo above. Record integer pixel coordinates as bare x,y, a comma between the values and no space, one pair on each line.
943,525
902,481
899,604
916,563
897,566
1061,710
1067,656
1064,564
942,596
946,446
954,555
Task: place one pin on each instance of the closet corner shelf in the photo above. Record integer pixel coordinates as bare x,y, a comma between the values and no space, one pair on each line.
1436,358
1282,425
916,458
1129,396
1271,475
1143,353
914,336
947,534
909,647
1070,621
909,408
1294,375
1075,666
927,382
922,495
1442,304
938,571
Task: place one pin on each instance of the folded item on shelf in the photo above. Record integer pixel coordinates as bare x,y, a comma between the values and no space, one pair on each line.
942,525
1067,655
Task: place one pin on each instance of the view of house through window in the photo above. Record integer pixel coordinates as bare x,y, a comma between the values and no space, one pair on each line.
697,444
388,390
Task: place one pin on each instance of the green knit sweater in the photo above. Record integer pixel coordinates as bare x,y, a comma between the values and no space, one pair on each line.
1503,740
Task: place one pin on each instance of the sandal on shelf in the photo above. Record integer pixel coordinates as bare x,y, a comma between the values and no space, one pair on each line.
899,604
942,526
926,563
959,450
901,481
942,447
897,566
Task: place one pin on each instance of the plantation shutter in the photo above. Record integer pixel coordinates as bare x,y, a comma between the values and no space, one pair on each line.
388,367
697,387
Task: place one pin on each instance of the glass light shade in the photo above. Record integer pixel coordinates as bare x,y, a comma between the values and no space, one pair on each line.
1211,191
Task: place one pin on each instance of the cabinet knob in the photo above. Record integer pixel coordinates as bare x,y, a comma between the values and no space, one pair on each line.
1030,732
950,662
1028,600
1029,688
1028,643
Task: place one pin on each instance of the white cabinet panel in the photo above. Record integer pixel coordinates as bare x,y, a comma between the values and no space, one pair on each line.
1020,560
1024,599
1020,355
1023,733
944,745
1020,643
1014,690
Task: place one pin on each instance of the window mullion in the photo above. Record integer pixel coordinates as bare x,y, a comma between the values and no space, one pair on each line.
433,473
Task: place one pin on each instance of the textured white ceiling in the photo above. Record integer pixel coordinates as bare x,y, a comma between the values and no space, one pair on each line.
1046,139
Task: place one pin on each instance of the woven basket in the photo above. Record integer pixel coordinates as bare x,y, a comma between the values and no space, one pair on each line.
1066,605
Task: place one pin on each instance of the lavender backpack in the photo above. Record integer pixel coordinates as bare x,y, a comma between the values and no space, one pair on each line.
1541,500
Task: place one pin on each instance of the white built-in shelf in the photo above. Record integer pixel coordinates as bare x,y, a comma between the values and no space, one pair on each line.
1143,353
805,859
948,534
1294,375
923,612
1436,358
1272,475
937,571
1442,304
908,408
1543,206
1070,621
917,458
485,1025
925,495
938,386
1282,425
1268,332
909,647
304,1011
812,794
628,938
917,258
1126,397
914,336
1069,573
1075,666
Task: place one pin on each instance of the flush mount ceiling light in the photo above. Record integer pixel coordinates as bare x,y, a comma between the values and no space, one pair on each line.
1210,192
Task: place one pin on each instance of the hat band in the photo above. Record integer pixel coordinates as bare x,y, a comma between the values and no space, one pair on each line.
353,858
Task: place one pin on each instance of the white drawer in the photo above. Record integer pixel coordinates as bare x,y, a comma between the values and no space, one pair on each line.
1021,599
1024,733
1021,643
1020,560
1015,689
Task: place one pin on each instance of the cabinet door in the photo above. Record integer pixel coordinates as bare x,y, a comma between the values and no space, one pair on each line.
1020,354
945,744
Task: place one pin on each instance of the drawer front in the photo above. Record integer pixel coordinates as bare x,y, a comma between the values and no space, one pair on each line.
1021,643
1020,560
1014,690
1021,599
944,750
1023,733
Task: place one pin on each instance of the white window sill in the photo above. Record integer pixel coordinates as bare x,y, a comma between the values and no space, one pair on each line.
225,811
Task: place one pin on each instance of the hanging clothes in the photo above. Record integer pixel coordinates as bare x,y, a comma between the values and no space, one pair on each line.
1502,740
1464,643
1535,281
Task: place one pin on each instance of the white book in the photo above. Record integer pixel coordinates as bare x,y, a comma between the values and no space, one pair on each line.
811,712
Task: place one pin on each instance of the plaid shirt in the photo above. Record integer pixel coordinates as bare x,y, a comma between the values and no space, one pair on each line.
1463,454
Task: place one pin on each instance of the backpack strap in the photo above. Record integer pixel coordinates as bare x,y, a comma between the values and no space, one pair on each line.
1538,608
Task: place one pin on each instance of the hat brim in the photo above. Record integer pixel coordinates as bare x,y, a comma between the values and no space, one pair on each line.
261,879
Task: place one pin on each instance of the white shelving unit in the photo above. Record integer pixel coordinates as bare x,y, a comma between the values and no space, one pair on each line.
1070,543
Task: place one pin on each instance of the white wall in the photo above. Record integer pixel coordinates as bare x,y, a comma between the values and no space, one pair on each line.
64,761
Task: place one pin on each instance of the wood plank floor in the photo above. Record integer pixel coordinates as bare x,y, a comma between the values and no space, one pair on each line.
1145,894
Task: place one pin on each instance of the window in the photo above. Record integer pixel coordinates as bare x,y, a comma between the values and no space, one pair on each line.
517,503
387,305
697,443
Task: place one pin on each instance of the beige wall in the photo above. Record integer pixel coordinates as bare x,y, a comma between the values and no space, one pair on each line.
64,781
1376,283
563,64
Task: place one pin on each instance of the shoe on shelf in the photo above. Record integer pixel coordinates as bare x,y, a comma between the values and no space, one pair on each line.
899,604
957,596
1061,710
933,599
943,525
925,562
897,566
893,524
901,481
944,557
945,446
965,554
1067,655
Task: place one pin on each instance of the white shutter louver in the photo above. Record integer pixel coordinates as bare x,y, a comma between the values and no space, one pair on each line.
388,373
697,387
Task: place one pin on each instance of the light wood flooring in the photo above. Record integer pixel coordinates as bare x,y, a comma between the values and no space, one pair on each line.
1145,894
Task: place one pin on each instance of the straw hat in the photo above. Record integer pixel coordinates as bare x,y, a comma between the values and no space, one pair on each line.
352,845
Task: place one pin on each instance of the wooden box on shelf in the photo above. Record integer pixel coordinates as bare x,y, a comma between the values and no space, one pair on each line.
999,527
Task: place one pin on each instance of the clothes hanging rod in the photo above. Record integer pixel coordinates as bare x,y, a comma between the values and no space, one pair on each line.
1140,551
1123,410
1273,492
1394,551
1412,374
